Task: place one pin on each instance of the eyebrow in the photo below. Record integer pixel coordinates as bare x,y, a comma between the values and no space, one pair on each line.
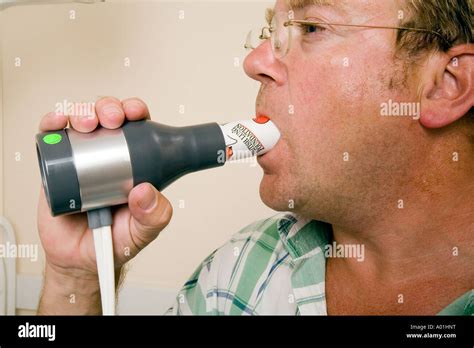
299,4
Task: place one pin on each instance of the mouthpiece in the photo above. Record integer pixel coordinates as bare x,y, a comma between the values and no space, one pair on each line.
249,138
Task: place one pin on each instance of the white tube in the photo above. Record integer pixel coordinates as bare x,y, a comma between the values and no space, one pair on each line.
3,288
249,138
10,268
105,266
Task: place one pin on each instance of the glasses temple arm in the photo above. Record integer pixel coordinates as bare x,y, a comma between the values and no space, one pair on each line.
291,22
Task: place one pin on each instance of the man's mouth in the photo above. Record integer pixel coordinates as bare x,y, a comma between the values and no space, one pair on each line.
268,160
262,116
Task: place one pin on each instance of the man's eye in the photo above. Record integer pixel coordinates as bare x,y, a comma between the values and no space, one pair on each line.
308,29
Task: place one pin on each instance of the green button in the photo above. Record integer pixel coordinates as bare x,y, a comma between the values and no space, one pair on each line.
52,139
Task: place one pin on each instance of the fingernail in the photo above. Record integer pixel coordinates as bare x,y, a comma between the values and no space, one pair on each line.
148,200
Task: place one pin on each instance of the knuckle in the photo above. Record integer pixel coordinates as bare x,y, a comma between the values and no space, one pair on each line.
102,102
49,114
135,100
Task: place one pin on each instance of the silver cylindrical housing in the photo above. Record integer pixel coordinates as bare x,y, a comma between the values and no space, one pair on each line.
103,165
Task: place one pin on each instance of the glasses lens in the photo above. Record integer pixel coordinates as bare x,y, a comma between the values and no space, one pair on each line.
280,35
255,38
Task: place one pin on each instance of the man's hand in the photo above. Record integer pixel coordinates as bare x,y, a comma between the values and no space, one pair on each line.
67,240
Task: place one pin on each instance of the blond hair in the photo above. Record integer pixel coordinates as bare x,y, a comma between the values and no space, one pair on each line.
451,19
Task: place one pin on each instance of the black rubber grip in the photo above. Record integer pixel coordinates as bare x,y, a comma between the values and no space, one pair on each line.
160,154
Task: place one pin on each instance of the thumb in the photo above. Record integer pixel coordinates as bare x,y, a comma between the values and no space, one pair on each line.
151,213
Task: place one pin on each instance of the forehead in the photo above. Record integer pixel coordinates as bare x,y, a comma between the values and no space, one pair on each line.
348,8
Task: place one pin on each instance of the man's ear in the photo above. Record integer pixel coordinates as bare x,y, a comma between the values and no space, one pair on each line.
448,92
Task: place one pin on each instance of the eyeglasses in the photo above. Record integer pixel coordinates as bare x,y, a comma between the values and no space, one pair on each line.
280,32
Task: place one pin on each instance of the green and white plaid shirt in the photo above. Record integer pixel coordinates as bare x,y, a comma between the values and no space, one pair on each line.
274,266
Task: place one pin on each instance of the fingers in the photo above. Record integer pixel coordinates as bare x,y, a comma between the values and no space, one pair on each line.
84,124
109,113
135,109
52,122
151,213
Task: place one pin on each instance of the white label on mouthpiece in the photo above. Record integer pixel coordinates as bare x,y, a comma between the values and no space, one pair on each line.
250,137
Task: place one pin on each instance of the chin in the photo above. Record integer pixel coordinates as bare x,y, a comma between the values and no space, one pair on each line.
272,194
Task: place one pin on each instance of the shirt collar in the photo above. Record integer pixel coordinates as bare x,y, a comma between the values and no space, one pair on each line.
303,236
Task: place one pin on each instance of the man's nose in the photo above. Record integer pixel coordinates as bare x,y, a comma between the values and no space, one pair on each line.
262,65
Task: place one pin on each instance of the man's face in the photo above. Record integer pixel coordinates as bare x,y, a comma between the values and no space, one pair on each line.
336,152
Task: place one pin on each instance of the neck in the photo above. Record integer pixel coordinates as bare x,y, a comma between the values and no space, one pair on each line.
428,239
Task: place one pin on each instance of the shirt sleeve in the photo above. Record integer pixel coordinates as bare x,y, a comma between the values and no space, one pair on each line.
210,289
191,299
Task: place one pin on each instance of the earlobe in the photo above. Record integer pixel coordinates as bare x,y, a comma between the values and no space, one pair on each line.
449,92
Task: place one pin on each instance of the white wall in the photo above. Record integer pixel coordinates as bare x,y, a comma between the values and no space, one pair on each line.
174,62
